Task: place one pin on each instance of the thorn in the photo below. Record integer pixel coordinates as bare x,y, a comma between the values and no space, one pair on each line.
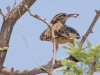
91,31
44,19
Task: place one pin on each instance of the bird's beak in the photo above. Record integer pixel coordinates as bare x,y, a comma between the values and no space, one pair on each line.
73,15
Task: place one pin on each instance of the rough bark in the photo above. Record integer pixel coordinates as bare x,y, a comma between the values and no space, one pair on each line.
8,24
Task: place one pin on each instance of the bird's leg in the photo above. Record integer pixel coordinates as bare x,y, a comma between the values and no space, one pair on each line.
56,47
54,52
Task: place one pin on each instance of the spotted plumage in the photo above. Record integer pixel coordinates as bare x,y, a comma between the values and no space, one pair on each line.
61,30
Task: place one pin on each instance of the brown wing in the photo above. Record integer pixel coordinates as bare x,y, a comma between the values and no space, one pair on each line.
65,30
47,35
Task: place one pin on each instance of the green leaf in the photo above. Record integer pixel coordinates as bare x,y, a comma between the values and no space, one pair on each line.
72,36
59,70
71,64
86,58
69,72
89,44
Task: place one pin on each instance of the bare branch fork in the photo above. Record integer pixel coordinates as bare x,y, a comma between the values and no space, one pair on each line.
53,36
91,27
87,34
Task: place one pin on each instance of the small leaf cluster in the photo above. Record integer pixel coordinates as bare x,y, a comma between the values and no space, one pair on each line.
90,59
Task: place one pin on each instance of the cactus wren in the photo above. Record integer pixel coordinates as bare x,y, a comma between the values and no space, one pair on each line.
61,30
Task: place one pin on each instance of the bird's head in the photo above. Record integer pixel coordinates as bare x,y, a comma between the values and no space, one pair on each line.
62,17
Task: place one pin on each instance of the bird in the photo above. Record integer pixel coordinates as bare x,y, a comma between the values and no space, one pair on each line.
61,31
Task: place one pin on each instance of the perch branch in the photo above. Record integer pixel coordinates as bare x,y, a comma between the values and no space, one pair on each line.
53,36
91,27
2,13
34,71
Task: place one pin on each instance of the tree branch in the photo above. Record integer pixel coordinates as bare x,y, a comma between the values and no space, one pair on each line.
7,27
91,27
34,71
38,17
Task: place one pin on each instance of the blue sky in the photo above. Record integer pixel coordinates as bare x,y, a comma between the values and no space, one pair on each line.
19,57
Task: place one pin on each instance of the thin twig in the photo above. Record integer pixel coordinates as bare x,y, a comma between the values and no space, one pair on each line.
38,17
14,4
53,36
91,27
28,46
2,13
85,48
